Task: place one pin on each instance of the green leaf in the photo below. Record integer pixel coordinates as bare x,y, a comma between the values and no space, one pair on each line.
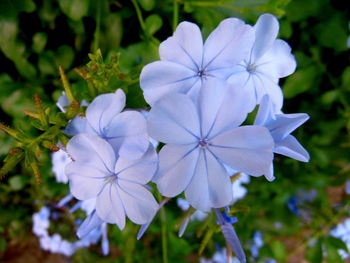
314,253
74,9
39,42
153,23
337,243
301,81
332,251
17,182
3,244
64,56
147,5
278,250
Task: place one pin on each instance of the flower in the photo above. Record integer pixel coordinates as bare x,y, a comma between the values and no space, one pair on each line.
280,126
202,137
186,63
59,161
342,231
268,60
116,182
125,131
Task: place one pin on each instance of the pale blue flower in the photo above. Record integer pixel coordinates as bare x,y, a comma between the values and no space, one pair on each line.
280,126
59,161
116,182
342,231
257,244
126,131
220,256
201,137
268,60
186,63
41,222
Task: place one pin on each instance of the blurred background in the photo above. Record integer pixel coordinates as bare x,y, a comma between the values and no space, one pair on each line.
292,219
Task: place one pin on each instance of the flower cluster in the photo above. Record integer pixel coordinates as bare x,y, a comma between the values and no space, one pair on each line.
200,96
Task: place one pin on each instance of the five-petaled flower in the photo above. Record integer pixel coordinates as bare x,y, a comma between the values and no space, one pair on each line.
200,139
116,182
186,63
125,131
268,60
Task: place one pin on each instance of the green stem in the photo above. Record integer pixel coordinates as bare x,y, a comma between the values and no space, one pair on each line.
164,232
175,14
139,14
98,27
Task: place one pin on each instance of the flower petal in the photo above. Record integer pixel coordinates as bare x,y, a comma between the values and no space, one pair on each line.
184,47
109,206
210,186
285,124
139,171
222,107
174,119
266,30
90,223
292,148
161,77
278,61
246,149
79,125
176,167
228,44
104,108
265,113
85,181
140,205
92,150
127,133
265,84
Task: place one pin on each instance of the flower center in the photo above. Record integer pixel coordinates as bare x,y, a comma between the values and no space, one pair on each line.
251,68
203,143
201,72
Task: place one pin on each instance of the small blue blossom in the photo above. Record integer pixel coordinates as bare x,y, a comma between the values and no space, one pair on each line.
116,183
186,63
59,161
257,244
125,131
268,60
201,138
342,231
280,126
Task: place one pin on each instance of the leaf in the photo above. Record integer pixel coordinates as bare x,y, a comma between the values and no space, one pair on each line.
147,5
314,252
278,250
39,42
152,24
301,81
18,182
74,9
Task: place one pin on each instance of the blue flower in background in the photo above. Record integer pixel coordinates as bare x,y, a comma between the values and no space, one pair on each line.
268,60
342,231
280,126
125,131
200,139
186,63
116,182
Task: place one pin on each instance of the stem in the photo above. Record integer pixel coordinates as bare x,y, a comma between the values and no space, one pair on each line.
139,14
164,232
98,27
175,14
